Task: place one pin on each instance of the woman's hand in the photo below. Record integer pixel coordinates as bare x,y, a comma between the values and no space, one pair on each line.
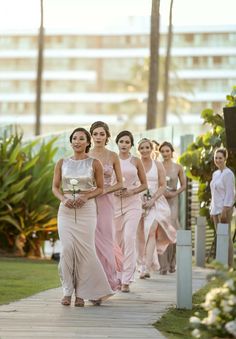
149,204
169,195
121,193
81,200
224,216
68,202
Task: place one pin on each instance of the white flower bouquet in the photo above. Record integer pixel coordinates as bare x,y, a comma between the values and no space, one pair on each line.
220,305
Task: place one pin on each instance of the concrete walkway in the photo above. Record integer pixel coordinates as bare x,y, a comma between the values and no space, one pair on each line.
126,315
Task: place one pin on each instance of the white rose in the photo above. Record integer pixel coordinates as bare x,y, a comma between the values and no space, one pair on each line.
73,182
167,178
231,327
196,333
194,320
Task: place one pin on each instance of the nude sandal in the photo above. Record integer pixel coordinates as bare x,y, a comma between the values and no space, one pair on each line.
66,300
96,302
79,302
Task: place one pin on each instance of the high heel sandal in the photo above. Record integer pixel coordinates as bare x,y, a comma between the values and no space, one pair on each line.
79,302
66,300
96,302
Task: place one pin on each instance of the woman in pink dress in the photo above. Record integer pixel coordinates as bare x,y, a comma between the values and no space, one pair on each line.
174,176
105,231
128,206
158,231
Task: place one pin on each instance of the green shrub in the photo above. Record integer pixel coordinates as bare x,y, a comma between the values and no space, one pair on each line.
27,206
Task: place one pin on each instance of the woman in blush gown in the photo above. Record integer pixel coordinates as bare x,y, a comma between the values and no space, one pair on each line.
128,206
158,231
107,250
174,175
77,181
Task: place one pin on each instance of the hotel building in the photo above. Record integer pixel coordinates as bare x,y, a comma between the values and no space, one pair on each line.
88,74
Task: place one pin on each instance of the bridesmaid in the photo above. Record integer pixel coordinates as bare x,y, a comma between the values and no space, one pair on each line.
105,231
158,231
174,175
128,206
77,181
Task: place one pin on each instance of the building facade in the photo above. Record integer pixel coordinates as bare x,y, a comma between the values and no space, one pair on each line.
90,75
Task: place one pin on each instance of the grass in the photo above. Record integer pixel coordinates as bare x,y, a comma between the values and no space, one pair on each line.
174,324
20,278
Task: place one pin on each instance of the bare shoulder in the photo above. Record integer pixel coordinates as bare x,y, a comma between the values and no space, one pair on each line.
135,160
113,156
179,167
59,163
159,164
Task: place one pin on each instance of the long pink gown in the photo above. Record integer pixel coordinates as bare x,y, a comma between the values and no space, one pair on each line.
107,252
159,213
168,259
128,211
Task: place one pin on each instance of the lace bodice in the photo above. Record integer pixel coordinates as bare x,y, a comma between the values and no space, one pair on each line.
79,170
107,172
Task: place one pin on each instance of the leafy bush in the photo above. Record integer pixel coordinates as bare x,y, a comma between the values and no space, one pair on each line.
27,206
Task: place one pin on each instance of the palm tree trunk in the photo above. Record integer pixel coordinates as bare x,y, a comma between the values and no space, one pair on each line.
39,73
152,103
163,117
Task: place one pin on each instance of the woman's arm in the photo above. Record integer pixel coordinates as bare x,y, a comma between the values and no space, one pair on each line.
117,169
98,175
182,180
229,199
56,186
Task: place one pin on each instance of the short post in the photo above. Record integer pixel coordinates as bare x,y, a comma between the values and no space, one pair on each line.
184,269
222,243
200,241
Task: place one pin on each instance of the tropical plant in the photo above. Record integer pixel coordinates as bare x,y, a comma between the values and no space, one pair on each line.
163,116
27,206
231,98
152,103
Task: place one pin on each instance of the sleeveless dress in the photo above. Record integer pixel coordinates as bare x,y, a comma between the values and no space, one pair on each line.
105,231
80,269
173,202
168,259
160,212
128,211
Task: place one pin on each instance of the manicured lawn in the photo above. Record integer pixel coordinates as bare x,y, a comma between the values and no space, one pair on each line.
20,278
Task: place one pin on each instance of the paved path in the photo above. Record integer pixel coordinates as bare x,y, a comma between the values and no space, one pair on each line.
126,315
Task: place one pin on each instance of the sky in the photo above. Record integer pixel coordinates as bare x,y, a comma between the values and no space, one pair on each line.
71,13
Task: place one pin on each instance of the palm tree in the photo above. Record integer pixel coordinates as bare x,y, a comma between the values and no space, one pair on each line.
39,72
152,104
163,116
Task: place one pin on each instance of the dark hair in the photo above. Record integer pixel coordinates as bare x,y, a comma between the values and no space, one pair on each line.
145,140
155,142
102,124
168,144
223,151
88,136
123,134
